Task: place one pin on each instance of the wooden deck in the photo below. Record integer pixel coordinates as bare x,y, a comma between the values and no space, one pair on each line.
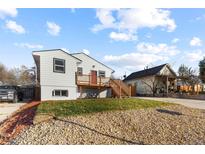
86,80
119,89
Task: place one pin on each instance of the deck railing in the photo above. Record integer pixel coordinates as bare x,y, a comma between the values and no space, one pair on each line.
120,88
86,80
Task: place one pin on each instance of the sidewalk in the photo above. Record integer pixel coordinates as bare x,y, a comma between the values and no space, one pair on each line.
6,109
199,104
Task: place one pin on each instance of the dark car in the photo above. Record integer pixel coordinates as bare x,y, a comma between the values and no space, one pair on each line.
10,93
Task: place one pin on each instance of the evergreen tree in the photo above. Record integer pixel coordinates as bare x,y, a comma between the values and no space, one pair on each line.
202,70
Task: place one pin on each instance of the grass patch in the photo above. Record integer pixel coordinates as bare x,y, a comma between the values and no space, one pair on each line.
86,106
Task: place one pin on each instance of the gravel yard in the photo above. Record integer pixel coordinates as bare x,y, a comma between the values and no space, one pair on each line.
174,124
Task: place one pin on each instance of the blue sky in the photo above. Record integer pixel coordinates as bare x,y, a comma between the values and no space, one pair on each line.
125,39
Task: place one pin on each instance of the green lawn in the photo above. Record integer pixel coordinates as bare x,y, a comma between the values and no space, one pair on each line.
85,106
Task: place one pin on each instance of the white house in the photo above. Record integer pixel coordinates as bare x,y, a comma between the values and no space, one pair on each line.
64,76
158,80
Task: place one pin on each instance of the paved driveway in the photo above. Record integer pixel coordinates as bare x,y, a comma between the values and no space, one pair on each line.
6,109
200,104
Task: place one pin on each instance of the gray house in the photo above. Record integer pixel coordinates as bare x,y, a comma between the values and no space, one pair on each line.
156,80
64,76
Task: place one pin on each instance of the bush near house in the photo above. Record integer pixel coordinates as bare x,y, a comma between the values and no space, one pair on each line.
85,106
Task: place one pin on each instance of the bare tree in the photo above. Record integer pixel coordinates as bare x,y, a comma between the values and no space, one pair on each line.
193,79
152,83
25,76
202,70
17,76
3,72
188,76
11,77
184,72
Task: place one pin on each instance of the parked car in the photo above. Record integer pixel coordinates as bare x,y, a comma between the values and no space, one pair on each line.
10,93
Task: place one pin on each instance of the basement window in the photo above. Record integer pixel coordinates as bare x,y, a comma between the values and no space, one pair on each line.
58,65
61,93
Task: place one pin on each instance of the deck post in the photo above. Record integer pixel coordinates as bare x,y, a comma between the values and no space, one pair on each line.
89,79
80,91
100,81
98,92
76,78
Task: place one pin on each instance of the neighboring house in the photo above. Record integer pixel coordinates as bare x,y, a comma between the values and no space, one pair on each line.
62,76
157,80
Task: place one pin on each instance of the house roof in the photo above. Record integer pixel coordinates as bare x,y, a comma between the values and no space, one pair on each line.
93,59
57,49
147,72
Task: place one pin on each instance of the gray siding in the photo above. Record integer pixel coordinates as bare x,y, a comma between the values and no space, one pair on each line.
50,80
144,89
88,63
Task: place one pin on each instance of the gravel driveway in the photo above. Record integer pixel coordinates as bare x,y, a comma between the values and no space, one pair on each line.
174,124
199,104
6,109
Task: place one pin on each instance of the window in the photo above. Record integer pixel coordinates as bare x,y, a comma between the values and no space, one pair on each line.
80,71
64,93
57,92
58,65
61,93
101,73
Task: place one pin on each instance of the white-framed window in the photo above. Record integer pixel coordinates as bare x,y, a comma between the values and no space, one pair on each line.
80,71
58,65
101,73
60,93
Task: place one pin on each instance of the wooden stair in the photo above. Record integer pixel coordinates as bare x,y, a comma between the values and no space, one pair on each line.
120,89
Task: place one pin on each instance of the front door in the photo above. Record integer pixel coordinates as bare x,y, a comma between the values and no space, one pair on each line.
93,77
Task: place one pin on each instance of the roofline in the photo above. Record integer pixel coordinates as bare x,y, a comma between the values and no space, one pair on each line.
148,68
137,78
93,59
55,50
165,64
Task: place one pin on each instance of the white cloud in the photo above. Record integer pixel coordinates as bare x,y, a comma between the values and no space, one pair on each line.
106,19
151,18
87,52
122,36
195,56
195,41
130,20
14,27
145,54
160,48
175,40
130,62
29,46
135,59
53,28
12,12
